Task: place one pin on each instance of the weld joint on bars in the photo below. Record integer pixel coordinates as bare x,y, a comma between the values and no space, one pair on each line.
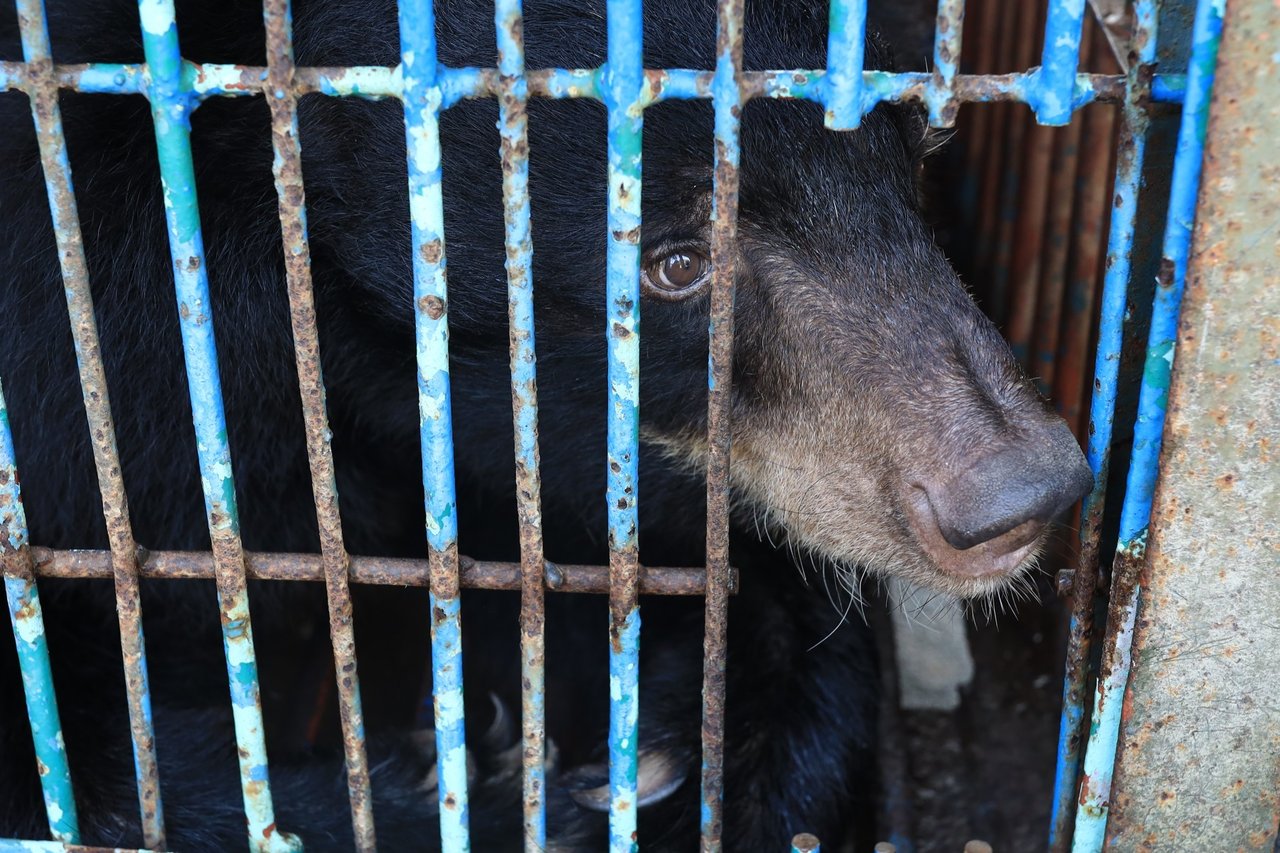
202,81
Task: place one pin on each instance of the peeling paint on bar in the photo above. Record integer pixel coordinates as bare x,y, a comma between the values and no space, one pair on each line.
43,91
846,35
728,100
287,169
1114,305
379,82
170,110
1053,90
623,82
513,126
422,105
1099,763
940,96
33,650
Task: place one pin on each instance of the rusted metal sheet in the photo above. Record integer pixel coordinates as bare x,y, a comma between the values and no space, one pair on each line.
287,168
1199,757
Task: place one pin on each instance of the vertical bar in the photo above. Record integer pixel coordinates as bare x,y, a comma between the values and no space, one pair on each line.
171,107
727,102
1052,92
422,99
1099,763
846,45
1134,122
624,77
93,383
287,168
33,651
513,97
940,95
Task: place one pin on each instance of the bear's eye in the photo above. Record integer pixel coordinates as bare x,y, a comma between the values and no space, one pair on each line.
677,275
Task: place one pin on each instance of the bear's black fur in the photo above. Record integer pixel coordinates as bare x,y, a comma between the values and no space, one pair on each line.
801,708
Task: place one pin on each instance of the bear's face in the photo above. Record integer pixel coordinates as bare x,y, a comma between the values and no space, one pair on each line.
879,417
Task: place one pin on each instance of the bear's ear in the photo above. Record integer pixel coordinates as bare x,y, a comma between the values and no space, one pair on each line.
658,777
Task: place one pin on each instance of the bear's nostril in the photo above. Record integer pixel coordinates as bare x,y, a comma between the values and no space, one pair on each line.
1035,480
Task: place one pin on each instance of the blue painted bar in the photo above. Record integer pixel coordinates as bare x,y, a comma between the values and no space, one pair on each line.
47,116
940,96
513,127
1053,85
1099,763
623,83
1114,303
377,83
170,110
422,104
846,44
33,651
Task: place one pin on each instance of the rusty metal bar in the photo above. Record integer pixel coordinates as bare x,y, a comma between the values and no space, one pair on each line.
43,92
940,96
1199,757
1135,513
287,168
379,571
513,127
33,650
170,111
1134,123
724,232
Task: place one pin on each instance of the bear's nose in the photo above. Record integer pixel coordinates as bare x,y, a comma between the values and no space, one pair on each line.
1033,481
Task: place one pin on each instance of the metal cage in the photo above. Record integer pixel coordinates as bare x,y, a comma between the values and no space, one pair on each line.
175,87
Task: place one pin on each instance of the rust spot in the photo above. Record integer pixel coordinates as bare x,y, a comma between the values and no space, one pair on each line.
1164,278
432,251
630,236
432,306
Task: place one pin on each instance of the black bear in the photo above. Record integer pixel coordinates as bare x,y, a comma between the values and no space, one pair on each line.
880,423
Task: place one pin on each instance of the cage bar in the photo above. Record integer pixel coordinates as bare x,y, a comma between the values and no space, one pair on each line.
287,169
846,46
727,104
43,93
422,104
33,650
1131,152
1099,760
622,90
170,111
1053,85
940,97
513,128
